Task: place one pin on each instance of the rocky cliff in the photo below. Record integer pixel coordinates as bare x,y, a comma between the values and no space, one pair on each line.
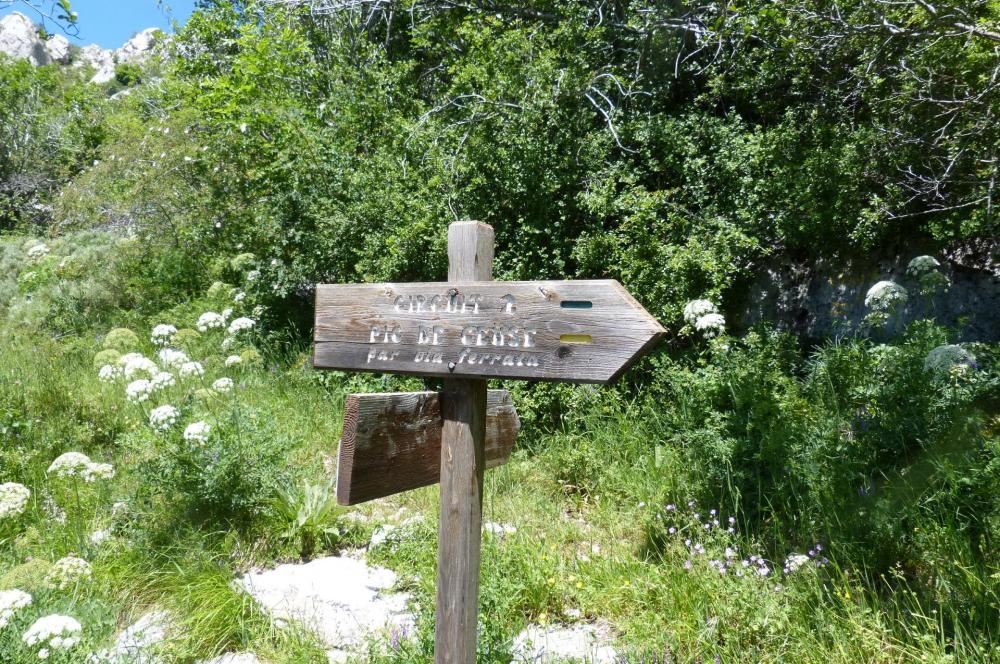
825,297
20,39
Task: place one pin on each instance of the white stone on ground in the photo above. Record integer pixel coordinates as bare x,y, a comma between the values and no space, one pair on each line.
135,643
234,658
558,643
499,530
340,598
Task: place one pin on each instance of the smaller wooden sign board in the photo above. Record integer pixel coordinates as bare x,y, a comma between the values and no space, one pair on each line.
392,442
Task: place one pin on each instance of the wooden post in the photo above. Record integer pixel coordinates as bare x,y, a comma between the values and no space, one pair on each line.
463,459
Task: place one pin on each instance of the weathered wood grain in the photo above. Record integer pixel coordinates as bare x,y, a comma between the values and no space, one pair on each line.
463,460
392,442
576,331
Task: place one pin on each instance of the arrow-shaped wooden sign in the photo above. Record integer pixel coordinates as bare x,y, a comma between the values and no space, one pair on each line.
575,331
392,442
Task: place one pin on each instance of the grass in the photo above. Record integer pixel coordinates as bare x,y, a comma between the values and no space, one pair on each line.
587,494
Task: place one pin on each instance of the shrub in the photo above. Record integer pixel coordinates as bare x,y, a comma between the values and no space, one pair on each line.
121,339
228,481
128,74
106,356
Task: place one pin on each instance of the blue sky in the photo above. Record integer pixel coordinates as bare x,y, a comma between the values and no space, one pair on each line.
111,22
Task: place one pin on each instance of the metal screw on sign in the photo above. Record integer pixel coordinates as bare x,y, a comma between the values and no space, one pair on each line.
466,331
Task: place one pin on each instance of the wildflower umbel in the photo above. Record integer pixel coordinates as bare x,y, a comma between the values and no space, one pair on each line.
53,631
922,265
10,602
163,380
885,296
13,499
210,321
138,390
68,571
162,418
70,464
943,359
135,363
189,369
241,324
162,334
109,373
696,309
711,325
77,464
223,384
197,432
172,359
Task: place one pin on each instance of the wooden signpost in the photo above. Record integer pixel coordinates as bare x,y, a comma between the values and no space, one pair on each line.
466,331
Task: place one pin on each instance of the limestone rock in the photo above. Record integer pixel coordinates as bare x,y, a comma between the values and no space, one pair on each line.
138,643
340,598
561,643
57,47
101,59
19,39
234,658
139,47
825,297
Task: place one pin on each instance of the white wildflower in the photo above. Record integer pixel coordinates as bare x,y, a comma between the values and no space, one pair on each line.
172,358
46,630
227,343
796,560
98,471
922,265
695,309
223,384
227,313
135,363
162,418
138,390
239,296
943,359
10,602
885,296
163,380
711,325
241,324
197,432
109,373
70,464
38,252
210,321
68,571
13,499
191,369
99,537
162,334
233,360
